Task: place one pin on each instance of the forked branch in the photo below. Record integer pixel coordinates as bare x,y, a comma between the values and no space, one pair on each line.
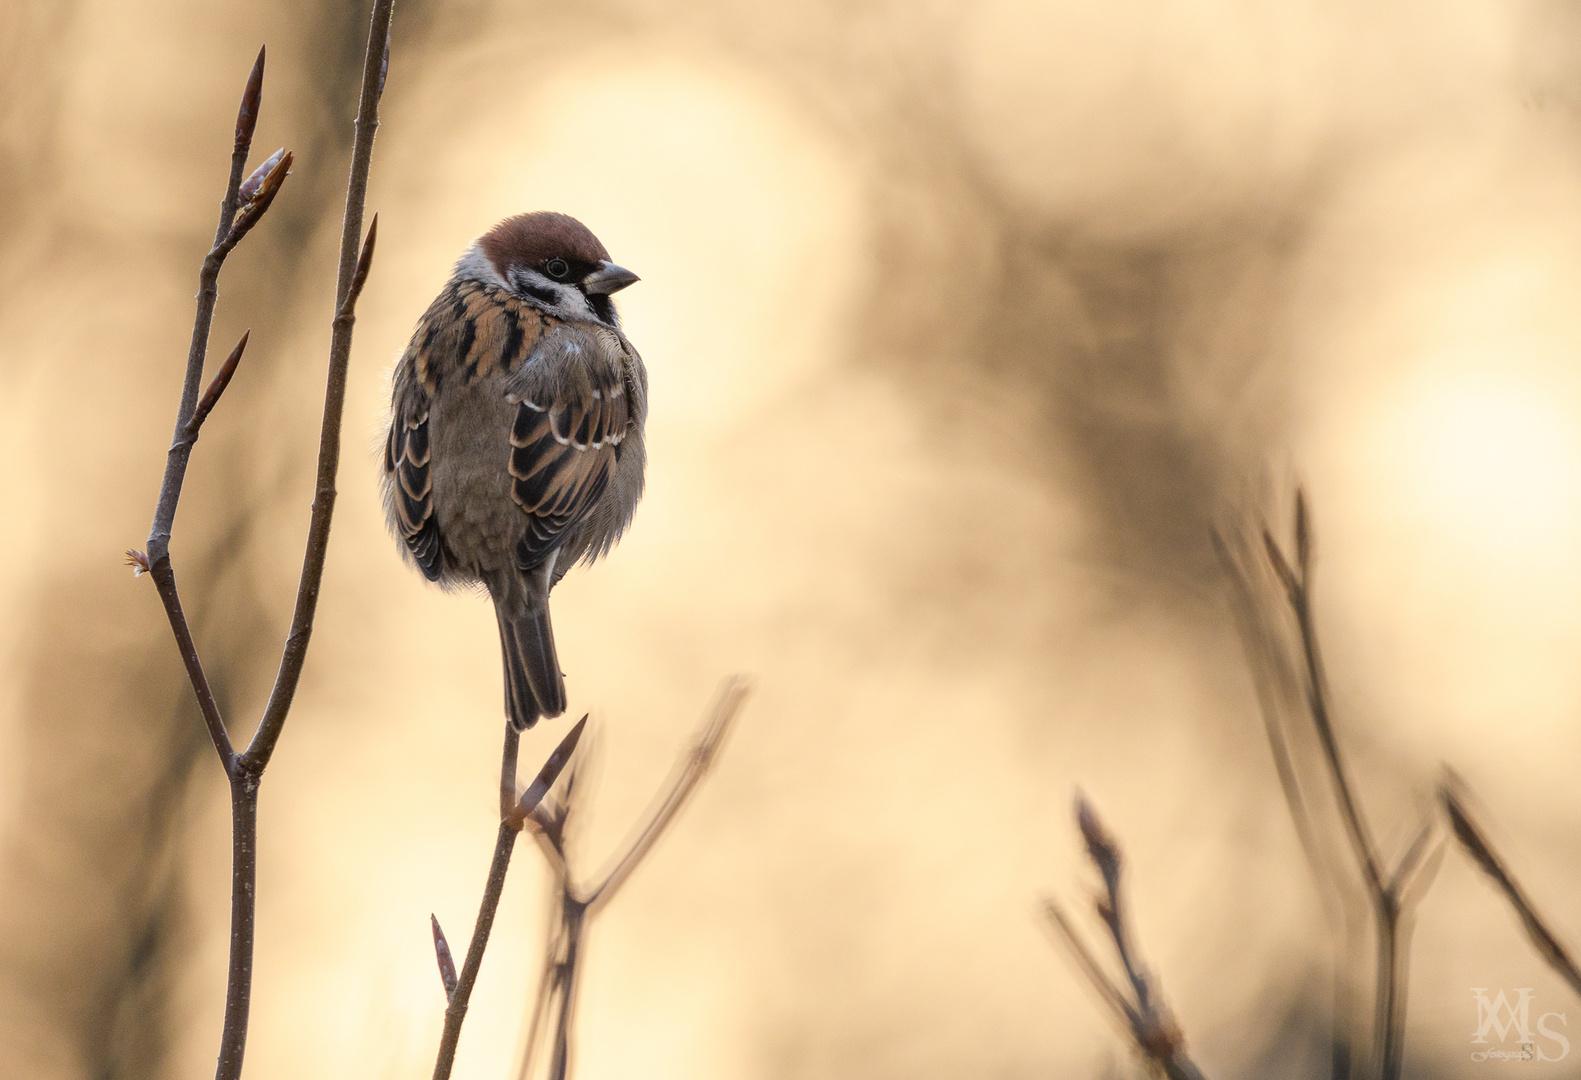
576,904
1391,894
243,206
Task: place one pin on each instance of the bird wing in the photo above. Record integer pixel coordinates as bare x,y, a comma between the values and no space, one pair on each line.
406,460
564,446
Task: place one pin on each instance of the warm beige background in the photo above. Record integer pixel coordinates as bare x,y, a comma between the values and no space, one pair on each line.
964,322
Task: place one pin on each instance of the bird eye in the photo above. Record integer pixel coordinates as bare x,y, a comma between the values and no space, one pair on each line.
557,269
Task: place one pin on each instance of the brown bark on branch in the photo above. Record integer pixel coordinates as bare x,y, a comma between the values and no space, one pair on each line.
244,205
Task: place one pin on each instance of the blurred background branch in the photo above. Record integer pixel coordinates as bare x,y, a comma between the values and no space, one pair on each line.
574,903
1142,1013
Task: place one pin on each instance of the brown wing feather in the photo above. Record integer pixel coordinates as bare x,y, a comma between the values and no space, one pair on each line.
562,455
406,459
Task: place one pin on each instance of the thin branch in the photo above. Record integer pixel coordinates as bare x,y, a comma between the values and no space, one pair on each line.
165,581
574,907
1146,1018
243,206
1299,586
684,780
512,815
1108,992
208,295
1452,794
461,996
346,288
1391,896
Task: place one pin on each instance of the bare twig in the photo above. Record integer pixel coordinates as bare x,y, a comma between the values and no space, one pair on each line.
1143,1015
347,286
513,813
1391,895
243,206
575,905
1452,794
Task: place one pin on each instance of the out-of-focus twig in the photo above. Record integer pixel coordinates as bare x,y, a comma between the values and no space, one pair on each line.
1390,894
244,204
1452,794
575,904
1142,1013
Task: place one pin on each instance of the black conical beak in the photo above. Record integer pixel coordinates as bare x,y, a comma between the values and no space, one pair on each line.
608,278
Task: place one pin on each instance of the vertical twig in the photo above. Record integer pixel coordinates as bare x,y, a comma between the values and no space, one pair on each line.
1143,1014
1390,896
513,813
244,204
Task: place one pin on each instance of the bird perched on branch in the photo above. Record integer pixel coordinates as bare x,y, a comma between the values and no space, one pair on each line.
515,444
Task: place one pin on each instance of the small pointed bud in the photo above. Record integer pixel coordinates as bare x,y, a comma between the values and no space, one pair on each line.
255,179
222,379
1101,847
359,277
137,561
252,99
447,965
551,771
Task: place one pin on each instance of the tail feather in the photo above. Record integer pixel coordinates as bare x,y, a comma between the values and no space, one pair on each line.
534,686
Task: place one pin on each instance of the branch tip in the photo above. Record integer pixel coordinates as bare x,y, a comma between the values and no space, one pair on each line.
359,277
252,98
549,773
447,964
255,179
222,379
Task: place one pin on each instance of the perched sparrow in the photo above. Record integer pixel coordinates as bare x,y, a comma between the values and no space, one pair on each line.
515,444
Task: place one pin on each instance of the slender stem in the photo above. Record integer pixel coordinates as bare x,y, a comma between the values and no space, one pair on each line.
1452,794
165,581
575,915
244,880
245,770
295,651
1391,993
456,1012
1317,701
197,350
684,781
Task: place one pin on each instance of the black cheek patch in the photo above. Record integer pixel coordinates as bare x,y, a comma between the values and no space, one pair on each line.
546,297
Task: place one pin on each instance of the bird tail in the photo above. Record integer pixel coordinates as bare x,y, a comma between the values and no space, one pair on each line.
534,686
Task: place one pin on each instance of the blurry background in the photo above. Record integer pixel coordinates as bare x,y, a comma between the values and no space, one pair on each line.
965,321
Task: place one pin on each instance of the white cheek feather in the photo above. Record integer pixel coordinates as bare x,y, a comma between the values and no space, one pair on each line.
477,266
569,303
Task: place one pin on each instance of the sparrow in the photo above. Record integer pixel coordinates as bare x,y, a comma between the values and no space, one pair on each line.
515,437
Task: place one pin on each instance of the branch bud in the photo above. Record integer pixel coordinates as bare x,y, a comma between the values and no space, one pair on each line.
447,965
252,99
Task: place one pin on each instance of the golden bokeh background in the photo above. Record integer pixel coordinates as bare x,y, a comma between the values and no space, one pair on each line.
965,322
